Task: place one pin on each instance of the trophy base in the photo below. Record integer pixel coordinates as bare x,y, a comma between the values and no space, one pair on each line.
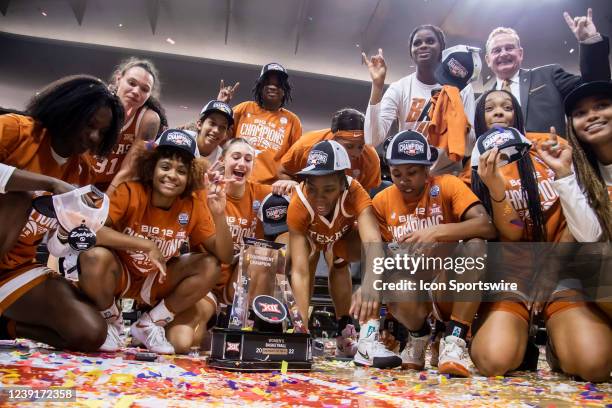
241,350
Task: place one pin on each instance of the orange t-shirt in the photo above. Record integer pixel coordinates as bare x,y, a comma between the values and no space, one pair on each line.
322,232
241,214
444,201
270,132
27,146
551,205
107,167
366,170
187,220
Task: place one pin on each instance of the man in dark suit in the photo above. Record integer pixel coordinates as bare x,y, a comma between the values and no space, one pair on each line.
541,90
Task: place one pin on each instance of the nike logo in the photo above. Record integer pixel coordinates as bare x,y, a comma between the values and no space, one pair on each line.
364,355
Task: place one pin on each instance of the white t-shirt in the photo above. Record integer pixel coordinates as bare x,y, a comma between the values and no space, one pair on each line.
581,219
404,101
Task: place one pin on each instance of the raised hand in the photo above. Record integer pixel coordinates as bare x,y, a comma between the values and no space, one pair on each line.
376,66
582,27
283,187
557,156
216,195
226,93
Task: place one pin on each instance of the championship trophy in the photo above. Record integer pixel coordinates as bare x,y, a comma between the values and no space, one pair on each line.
276,332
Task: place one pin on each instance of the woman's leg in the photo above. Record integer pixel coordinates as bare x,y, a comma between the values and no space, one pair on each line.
54,312
499,344
582,341
187,329
99,275
16,207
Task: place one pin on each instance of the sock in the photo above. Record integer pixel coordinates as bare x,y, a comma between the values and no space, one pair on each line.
369,330
457,328
342,322
440,327
425,330
160,315
111,314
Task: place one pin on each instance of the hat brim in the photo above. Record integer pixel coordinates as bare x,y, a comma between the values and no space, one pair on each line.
314,172
44,205
443,78
230,119
584,90
275,228
278,71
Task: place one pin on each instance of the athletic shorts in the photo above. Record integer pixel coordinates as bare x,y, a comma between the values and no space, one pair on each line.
15,283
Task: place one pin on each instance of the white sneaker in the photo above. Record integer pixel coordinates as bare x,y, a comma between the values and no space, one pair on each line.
346,344
151,335
454,358
371,352
413,355
113,341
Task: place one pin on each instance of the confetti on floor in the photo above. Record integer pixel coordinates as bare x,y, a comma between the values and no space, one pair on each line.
117,380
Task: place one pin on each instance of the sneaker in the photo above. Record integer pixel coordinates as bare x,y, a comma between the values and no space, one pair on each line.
113,341
413,355
151,335
454,358
372,353
346,344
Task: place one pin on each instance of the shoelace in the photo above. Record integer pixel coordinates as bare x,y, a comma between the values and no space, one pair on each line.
379,346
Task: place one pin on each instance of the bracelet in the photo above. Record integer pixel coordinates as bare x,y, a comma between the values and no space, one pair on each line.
497,201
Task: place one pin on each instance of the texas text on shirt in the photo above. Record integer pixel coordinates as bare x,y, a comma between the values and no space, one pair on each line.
107,167
187,220
270,132
444,200
405,101
366,170
322,233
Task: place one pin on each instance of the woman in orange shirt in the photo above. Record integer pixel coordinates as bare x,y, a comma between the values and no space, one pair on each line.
136,83
243,205
47,150
525,208
163,207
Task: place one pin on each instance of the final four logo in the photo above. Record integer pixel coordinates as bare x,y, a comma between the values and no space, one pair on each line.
411,147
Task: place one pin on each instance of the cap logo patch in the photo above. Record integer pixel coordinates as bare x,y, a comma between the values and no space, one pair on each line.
179,139
411,147
317,157
276,213
222,107
456,69
275,67
496,139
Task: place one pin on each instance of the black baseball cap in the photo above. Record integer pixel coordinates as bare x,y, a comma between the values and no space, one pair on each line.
274,67
219,107
509,141
178,139
326,157
273,214
410,147
460,65
586,89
